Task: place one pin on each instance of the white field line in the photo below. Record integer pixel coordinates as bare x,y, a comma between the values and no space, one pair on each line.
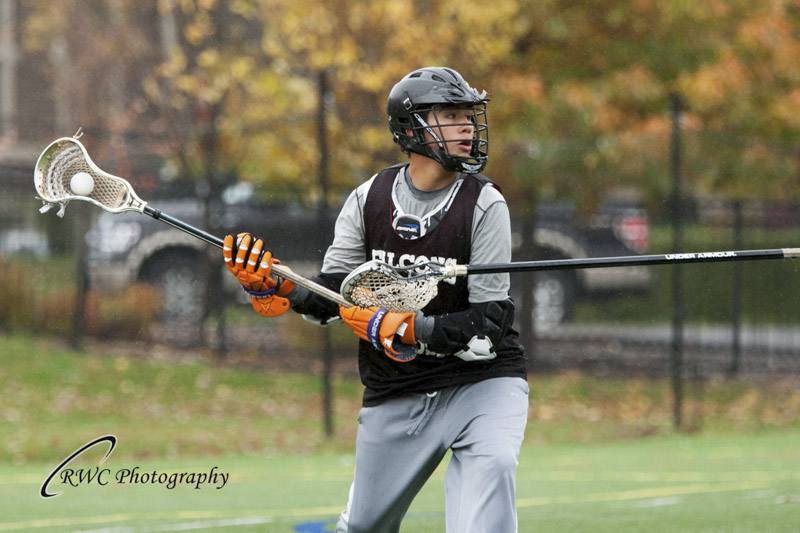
642,494
185,526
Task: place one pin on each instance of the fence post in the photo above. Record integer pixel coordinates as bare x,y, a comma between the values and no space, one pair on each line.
676,359
736,305
527,283
322,214
81,224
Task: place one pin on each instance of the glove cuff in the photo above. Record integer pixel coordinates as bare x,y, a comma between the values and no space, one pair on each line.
269,307
260,294
374,328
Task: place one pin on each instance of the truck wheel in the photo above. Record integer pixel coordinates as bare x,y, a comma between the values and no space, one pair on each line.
553,297
180,278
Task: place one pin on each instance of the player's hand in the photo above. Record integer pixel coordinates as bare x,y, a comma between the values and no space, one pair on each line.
247,260
243,258
383,329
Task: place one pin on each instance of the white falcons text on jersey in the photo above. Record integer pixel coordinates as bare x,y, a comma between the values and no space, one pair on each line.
406,260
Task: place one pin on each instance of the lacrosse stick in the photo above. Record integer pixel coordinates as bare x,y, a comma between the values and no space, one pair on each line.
66,157
406,289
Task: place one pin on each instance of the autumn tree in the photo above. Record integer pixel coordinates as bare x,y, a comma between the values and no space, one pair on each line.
580,90
598,78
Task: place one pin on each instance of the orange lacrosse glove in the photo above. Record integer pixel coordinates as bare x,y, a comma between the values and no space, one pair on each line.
252,269
381,327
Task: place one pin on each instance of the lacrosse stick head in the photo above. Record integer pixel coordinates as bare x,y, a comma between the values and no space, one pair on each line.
396,289
64,158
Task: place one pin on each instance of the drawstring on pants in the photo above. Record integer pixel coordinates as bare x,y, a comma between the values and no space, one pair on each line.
431,400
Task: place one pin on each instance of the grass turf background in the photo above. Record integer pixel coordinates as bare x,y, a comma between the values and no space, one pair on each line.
599,455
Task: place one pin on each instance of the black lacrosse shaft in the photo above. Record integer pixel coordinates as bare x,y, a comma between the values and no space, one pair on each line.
554,264
278,269
183,226
634,260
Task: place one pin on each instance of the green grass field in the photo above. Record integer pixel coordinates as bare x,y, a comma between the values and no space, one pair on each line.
599,455
721,483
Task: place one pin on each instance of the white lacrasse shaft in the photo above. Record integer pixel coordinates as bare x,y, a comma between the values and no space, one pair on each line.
286,273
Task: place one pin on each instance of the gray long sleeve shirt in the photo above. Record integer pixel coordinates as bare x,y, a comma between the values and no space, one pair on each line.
491,233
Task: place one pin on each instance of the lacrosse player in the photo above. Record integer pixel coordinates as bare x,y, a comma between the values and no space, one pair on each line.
449,377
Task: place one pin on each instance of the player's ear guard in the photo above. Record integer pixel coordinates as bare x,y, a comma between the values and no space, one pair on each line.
392,333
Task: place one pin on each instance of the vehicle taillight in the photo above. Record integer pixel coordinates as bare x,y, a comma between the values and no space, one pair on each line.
634,231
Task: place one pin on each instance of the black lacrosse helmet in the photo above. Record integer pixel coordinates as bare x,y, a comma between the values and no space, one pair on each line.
430,89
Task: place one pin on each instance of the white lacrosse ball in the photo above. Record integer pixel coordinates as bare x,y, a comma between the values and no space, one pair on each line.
82,184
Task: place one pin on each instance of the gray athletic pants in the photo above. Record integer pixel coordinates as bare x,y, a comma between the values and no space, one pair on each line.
401,442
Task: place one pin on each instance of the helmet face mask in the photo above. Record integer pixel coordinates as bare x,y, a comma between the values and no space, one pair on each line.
415,106
444,148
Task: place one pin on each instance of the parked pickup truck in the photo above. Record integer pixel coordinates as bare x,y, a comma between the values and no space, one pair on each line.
616,229
129,247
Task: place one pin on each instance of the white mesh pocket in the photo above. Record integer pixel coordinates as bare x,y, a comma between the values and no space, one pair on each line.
374,288
66,161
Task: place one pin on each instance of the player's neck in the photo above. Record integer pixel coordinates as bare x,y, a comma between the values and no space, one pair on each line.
428,175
